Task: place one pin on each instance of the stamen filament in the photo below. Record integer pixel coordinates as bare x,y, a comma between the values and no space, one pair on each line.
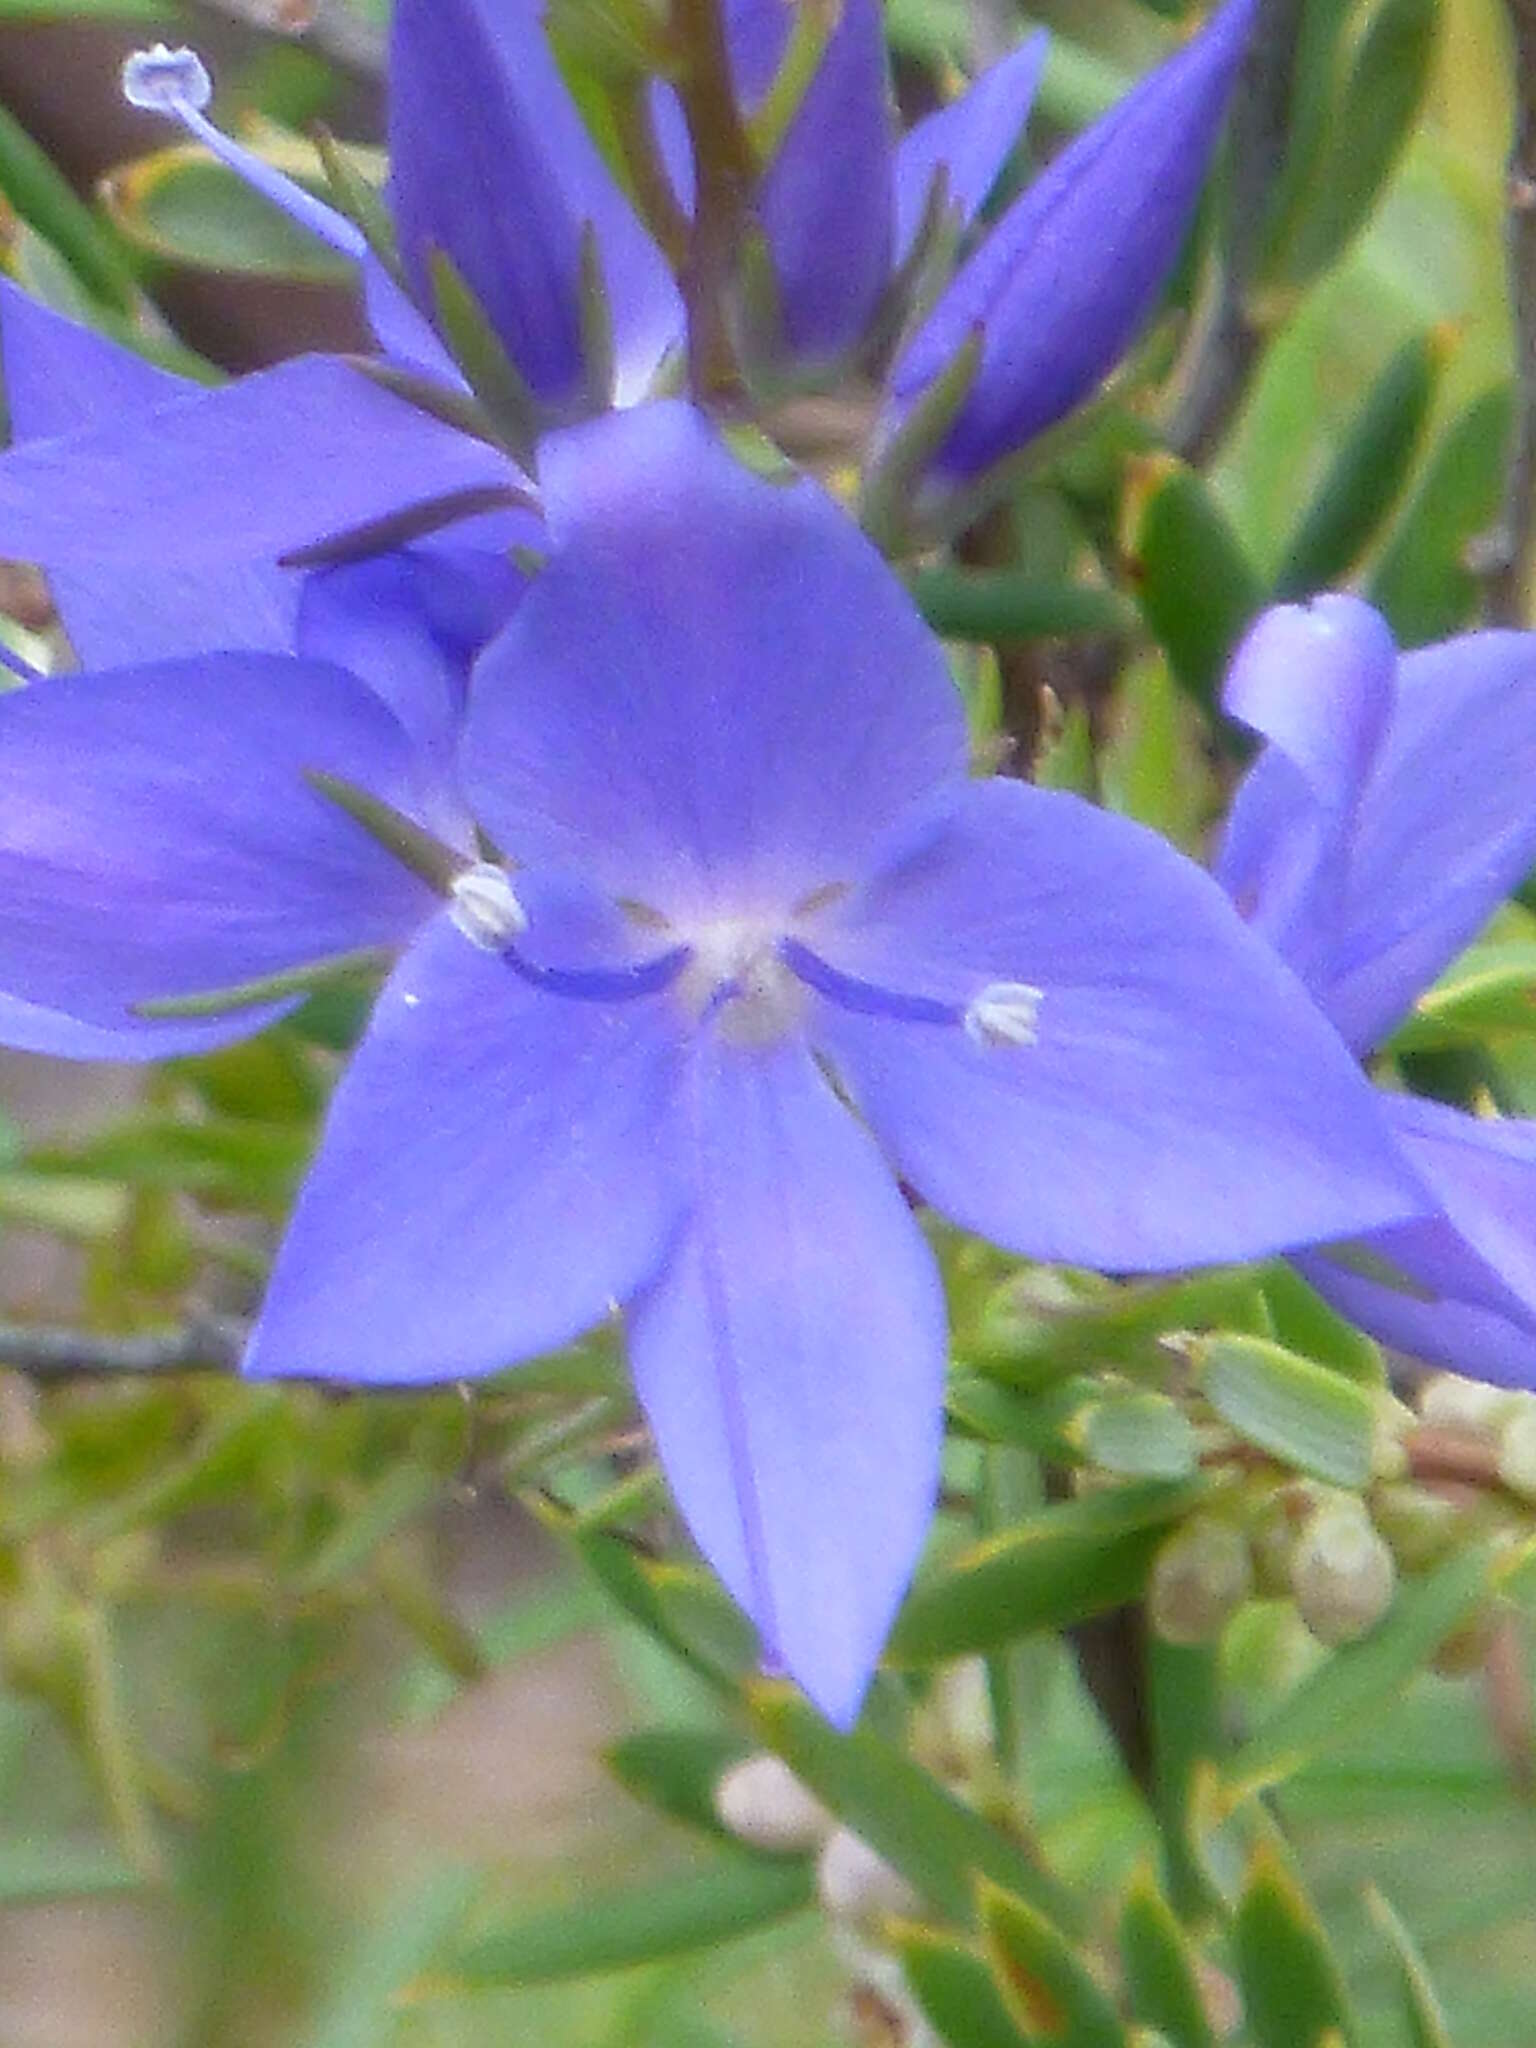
174,82
602,984
849,992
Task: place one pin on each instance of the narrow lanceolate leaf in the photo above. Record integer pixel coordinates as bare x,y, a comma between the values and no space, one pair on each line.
1293,1996
1425,582
1044,1983
999,606
1160,1982
1423,2014
1366,478
1373,116
1184,1694
940,1846
675,1916
1302,1321
676,1770
1490,992
1197,587
1299,1412
1055,1568
957,1992
41,194
1361,1680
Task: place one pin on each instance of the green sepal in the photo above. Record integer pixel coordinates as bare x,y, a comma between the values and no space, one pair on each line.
1299,1412
1365,481
410,844
270,988
488,370
596,321
359,201
955,1989
676,1771
891,484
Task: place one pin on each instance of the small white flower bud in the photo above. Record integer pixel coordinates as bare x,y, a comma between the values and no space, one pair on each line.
763,1803
1342,1573
1202,1575
1517,1449
484,906
1456,1403
163,81
857,1887
1005,1013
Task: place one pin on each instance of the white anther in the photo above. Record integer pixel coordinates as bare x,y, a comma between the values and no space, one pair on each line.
1005,1013
484,906
163,80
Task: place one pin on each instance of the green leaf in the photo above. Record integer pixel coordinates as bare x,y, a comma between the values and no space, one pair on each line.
1373,117
669,1916
1304,1322
1044,1985
1423,581
1184,1698
35,1870
42,195
180,206
1029,1342
956,1990
1293,1995
1367,475
676,1770
1057,1567
681,1607
1299,1412
939,1845
1197,587
1000,606
1361,1680
1489,992
1160,1981
1139,1436
1422,2011
359,2010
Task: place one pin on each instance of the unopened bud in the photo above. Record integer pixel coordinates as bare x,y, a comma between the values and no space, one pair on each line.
857,1887
1389,1447
1455,1403
1202,1575
761,1802
1517,1449
1342,1573
1420,1524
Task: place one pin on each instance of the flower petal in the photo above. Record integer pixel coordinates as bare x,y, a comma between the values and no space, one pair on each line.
61,377
495,1174
1182,1102
159,837
716,696
971,139
1469,1296
1318,682
491,163
27,1027
1063,283
1445,829
826,201
277,462
790,1360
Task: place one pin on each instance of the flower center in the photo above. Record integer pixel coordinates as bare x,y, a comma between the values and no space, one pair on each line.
735,972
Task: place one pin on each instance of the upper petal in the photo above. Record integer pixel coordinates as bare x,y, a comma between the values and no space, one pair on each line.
790,1360
61,377
495,1175
1066,278
1182,1102
491,163
716,696
159,837
253,471
970,139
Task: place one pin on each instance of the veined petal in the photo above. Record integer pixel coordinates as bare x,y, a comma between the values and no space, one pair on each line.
716,696
27,1027
496,1174
1317,681
1065,280
159,837
274,463
491,163
1468,1295
790,1359
61,378
1180,1100
1445,828
971,140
